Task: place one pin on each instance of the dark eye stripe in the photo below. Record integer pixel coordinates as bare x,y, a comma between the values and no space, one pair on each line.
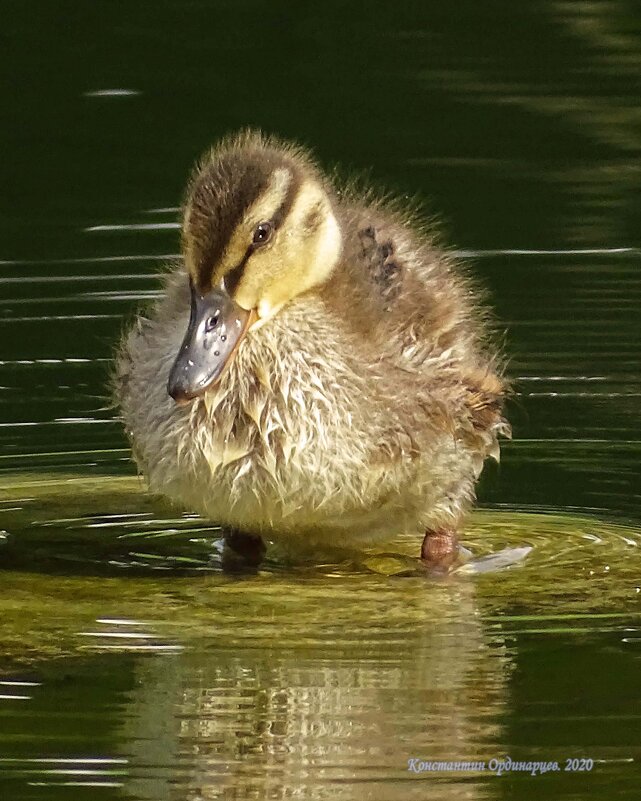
283,210
233,277
214,232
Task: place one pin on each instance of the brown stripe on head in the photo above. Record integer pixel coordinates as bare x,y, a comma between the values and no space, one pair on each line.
233,189
218,199
283,210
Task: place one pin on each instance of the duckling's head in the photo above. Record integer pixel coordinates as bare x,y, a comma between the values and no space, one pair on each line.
258,230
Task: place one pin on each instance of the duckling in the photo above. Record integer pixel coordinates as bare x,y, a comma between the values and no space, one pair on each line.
317,370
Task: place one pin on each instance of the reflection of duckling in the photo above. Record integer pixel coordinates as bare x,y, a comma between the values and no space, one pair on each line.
333,383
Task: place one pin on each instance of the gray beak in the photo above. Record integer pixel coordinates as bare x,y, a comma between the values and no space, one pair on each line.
216,327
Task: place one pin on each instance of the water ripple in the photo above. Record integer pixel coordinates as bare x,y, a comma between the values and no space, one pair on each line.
134,227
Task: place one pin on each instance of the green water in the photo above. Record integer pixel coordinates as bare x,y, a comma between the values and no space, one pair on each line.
133,666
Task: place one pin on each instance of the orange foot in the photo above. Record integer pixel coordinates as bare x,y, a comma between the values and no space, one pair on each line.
439,550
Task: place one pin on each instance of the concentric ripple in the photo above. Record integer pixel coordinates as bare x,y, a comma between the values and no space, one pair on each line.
86,525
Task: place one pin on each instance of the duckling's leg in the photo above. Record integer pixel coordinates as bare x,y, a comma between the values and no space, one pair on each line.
439,550
242,551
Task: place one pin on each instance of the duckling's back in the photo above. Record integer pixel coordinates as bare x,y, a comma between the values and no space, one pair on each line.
421,313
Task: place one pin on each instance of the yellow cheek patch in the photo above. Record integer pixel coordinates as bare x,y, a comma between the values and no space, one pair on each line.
266,277
298,260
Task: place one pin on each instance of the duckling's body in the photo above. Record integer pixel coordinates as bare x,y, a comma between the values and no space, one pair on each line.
359,400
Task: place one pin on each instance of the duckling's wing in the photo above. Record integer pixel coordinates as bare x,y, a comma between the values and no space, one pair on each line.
434,336
414,292
385,270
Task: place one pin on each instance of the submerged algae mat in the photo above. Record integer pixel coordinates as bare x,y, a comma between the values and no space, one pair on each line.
74,550
132,663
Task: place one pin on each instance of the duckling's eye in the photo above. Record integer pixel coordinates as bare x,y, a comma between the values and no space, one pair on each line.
262,233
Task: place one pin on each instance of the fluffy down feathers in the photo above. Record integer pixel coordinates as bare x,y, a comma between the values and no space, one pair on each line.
366,406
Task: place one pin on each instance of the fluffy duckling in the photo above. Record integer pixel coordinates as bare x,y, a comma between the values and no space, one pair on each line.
317,369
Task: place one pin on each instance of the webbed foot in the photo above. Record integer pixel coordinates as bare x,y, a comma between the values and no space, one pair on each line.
440,551
242,551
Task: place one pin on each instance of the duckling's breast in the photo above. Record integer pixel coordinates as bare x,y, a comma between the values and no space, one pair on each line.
299,436
289,439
